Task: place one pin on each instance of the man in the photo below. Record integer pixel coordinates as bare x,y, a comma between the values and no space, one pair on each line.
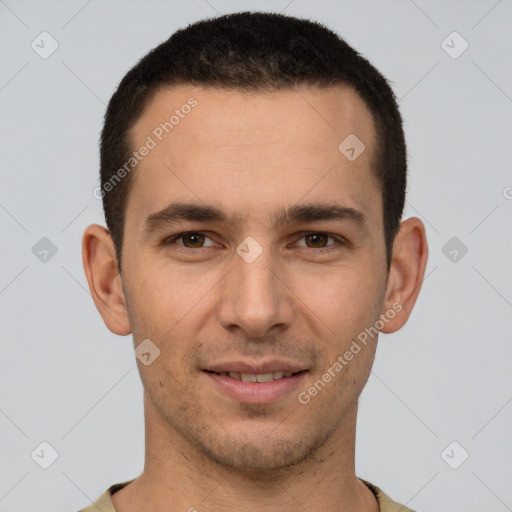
253,176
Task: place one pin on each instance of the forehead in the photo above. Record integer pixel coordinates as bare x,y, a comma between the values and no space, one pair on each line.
251,152
314,113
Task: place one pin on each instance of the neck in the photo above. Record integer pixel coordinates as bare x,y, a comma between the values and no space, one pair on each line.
178,477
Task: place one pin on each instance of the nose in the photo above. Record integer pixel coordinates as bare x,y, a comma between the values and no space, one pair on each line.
255,297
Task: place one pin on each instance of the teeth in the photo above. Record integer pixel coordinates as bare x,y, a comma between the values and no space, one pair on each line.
264,377
256,377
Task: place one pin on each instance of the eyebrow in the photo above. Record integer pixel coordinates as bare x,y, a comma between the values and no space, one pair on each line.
176,212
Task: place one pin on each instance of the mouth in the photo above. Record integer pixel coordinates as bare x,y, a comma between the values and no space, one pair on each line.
257,377
255,388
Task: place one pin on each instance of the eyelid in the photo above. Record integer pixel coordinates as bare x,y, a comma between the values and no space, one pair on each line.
172,239
338,238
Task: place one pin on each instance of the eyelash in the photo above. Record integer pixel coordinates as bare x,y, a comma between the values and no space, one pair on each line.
339,241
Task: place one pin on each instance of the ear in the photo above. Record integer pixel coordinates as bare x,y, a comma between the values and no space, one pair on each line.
407,269
100,265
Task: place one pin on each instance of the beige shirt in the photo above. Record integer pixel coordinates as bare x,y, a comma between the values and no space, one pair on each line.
104,503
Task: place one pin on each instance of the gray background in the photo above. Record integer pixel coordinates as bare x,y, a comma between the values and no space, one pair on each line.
445,377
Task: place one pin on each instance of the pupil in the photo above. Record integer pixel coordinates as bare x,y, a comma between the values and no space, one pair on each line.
194,238
315,238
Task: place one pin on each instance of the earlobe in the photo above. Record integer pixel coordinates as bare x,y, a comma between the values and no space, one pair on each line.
407,270
100,265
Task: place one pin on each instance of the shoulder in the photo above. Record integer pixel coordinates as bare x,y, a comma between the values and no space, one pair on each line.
104,502
385,502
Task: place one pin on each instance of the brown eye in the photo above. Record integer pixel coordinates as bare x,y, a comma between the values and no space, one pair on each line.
320,241
193,240
316,240
189,240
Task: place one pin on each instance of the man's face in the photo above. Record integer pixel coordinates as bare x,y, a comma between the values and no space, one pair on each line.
286,300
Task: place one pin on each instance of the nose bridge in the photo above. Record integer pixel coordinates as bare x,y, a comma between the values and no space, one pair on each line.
254,298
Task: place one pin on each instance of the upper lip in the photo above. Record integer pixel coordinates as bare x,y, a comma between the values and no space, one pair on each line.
274,365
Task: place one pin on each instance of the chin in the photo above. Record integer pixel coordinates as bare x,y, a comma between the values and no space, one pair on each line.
261,453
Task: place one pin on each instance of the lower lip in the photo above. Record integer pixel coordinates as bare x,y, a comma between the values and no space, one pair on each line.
256,392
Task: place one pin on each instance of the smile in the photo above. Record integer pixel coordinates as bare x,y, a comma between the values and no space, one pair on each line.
257,377
255,388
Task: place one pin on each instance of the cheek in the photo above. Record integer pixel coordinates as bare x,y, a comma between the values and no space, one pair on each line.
344,300
166,296
170,308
